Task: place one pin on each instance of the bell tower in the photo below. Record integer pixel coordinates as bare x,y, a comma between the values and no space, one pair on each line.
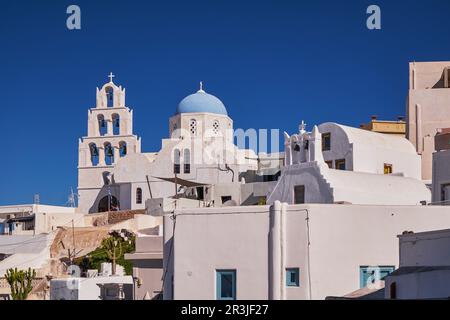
109,138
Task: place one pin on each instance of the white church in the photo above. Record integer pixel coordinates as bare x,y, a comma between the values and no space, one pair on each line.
113,172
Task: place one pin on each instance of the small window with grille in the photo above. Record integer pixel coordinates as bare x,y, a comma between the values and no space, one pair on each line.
193,126
216,127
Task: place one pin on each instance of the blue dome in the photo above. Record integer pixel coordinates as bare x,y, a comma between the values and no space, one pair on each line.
201,102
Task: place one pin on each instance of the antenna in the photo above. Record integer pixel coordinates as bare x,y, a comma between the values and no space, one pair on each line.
72,198
36,199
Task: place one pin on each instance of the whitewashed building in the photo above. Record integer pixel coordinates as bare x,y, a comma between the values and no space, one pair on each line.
424,267
339,164
283,251
113,172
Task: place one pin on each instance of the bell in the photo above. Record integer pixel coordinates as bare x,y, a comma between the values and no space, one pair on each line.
124,149
94,151
109,152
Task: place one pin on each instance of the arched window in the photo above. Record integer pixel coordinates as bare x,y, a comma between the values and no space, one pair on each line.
109,154
138,195
116,124
193,127
187,161
106,177
108,203
94,154
176,161
216,127
102,127
109,97
122,148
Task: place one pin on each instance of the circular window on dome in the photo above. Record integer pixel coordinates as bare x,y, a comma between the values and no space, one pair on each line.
216,127
193,126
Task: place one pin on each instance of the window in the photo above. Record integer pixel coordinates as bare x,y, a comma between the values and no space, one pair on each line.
299,194
94,154
226,284
387,168
109,154
193,127
370,275
176,161
122,148
329,164
339,164
138,195
216,127
296,147
102,128
292,277
225,199
109,97
116,124
326,141
187,161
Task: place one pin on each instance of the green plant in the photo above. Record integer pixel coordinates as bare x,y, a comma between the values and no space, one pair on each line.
20,282
95,258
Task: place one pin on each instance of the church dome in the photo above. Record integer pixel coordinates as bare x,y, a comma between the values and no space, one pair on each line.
201,102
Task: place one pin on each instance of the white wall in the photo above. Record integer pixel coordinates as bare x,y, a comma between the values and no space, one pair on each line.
420,285
342,238
425,249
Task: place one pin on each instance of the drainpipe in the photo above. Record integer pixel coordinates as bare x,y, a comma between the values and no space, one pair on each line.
419,129
276,251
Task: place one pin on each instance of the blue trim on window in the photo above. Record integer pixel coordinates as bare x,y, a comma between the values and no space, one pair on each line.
226,284
375,273
292,277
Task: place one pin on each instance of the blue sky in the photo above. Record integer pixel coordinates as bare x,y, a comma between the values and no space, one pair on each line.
273,63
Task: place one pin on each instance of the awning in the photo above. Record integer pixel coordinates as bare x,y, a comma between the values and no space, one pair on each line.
182,182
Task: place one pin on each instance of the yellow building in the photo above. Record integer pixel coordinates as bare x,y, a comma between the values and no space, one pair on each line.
384,126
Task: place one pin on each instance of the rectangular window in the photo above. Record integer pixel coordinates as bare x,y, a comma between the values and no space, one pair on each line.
176,168
326,141
187,168
370,275
329,164
292,277
299,194
387,168
225,199
226,284
339,164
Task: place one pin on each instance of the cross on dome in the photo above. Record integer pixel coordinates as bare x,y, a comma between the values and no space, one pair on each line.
201,87
110,76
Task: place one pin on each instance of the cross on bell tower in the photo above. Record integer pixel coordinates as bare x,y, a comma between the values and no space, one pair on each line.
111,76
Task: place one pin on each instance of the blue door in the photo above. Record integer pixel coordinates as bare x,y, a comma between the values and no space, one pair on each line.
2,228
